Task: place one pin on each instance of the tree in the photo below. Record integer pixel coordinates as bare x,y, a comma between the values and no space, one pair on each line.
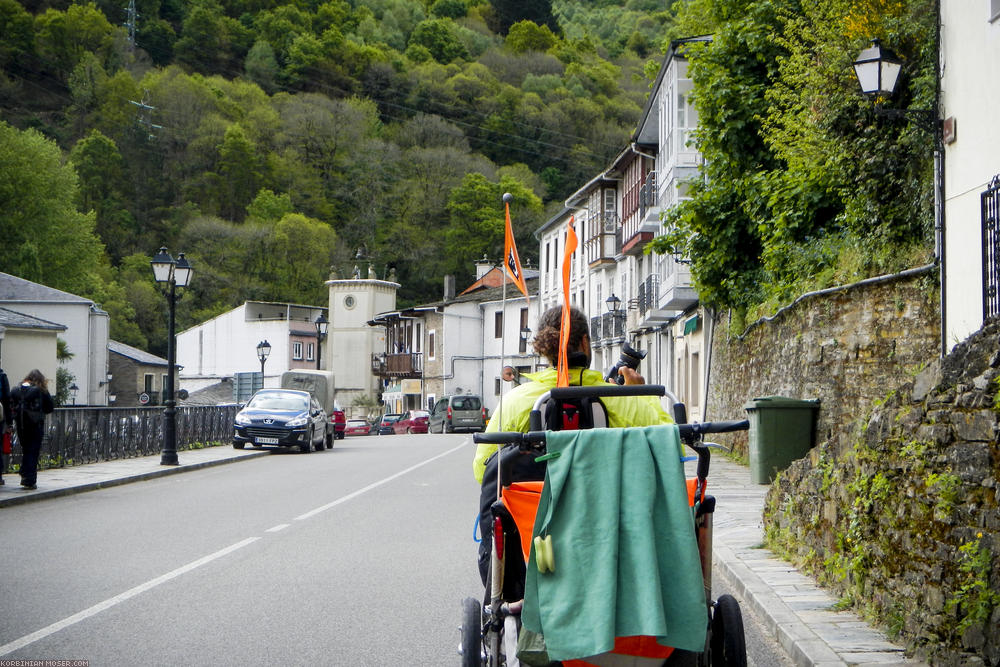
45,238
239,173
102,186
508,12
477,221
528,36
439,37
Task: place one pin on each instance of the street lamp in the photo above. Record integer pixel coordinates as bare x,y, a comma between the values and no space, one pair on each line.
322,326
877,70
172,273
72,390
613,303
263,351
525,335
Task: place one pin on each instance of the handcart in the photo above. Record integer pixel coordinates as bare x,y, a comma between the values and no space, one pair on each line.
490,627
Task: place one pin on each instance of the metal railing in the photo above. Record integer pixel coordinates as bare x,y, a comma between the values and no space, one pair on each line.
990,199
402,365
74,436
648,293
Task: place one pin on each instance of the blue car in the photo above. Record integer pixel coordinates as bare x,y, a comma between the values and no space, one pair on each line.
282,418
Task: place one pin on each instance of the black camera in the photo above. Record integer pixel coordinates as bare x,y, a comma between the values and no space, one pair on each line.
629,357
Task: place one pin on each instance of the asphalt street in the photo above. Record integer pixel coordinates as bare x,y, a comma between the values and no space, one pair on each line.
355,556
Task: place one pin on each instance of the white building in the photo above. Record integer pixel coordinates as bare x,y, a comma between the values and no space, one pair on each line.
85,334
458,345
27,343
227,344
645,301
970,96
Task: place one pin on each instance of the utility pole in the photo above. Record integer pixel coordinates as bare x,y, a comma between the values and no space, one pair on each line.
131,23
146,111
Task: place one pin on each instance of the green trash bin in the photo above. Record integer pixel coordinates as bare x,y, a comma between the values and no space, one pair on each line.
781,431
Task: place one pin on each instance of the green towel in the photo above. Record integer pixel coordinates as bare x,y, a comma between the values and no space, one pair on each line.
626,558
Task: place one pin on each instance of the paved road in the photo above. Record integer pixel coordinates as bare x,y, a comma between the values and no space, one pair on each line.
356,556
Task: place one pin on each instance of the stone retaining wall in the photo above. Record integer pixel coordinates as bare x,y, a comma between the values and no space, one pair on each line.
896,507
847,348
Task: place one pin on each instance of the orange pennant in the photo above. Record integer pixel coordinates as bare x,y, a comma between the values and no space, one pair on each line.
511,262
562,372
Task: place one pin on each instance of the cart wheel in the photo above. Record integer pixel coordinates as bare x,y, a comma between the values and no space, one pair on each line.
728,644
472,633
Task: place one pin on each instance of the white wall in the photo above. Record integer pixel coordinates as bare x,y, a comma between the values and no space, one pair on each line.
86,337
970,86
26,349
227,344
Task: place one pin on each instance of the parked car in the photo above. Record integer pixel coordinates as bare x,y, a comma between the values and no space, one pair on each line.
282,418
385,423
457,413
338,420
357,427
412,421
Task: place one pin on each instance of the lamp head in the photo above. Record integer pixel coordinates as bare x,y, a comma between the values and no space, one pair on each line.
163,266
877,69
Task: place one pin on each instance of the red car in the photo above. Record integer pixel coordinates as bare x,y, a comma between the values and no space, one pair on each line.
358,427
412,421
339,421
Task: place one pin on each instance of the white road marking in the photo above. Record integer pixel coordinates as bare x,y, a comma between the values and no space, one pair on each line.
350,496
10,647
26,640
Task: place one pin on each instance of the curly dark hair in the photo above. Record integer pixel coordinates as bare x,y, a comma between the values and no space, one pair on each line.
546,341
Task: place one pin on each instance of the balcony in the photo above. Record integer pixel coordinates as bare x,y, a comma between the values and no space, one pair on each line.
402,365
606,327
604,239
641,229
676,292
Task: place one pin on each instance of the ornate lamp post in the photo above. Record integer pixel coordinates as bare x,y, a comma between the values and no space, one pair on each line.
263,351
878,69
72,391
322,326
172,273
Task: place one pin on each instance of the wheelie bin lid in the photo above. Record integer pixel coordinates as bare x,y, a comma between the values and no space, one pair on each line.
768,402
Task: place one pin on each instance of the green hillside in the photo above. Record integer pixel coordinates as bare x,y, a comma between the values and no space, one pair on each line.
277,142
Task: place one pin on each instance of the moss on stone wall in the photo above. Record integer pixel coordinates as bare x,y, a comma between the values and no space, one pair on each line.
909,529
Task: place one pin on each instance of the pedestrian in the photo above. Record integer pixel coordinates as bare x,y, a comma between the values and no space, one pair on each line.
30,402
6,420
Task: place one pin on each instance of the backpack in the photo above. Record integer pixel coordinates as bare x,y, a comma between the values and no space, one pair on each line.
26,405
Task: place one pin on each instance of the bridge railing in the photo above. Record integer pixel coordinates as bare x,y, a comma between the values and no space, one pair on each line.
74,436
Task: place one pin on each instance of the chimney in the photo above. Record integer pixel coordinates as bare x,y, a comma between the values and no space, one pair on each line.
483,267
449,287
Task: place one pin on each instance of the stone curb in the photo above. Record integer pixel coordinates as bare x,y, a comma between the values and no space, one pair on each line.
118,481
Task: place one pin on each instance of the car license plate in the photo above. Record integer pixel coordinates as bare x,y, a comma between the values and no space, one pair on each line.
266,441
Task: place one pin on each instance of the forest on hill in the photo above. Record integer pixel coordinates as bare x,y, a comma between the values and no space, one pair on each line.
276,142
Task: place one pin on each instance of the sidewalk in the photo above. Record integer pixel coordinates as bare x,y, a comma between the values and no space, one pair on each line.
794,609
56,482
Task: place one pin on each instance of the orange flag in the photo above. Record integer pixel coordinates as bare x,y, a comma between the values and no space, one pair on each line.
511,262
562,372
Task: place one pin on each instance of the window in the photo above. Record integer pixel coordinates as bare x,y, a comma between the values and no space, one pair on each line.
498,324
297,351
496,386
431,349
417,337
522,345
695,380
147,383
163,382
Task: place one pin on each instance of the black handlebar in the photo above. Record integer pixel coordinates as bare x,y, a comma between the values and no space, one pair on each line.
599,390
688,432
